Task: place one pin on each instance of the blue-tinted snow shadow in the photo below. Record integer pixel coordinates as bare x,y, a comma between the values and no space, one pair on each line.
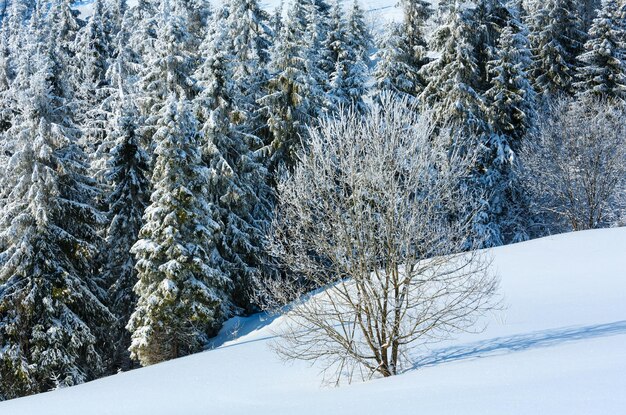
516,343
241,326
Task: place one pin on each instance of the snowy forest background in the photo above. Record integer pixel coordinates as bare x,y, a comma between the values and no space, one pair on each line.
141,147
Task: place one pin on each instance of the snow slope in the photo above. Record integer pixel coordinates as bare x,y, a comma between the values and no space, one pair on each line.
558,348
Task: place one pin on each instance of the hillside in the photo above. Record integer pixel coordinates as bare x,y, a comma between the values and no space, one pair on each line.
559,347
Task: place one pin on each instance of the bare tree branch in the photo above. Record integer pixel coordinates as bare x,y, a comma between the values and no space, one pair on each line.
376,215
574,167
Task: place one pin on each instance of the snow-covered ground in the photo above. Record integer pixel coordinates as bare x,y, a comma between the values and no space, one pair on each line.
559,347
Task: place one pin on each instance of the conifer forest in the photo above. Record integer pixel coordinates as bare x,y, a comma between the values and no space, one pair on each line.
167,165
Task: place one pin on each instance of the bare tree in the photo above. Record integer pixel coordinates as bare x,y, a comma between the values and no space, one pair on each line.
376,215
574,167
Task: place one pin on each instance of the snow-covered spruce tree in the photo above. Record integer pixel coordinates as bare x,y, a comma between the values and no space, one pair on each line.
123,70
167,70
404,51
237,180
6,75
287,104
322,12
143,28
14,23
511,115
394,69
444,9
91,60
63,25
490,17
314,55
360,37
323,8
196,14
348,78
276,19
250,40
251,36
335,37
457,91
511,98
181,297
52,320
454,78
416,15
127,175
114,11
556,39
348,81
22,46
603,62
589,10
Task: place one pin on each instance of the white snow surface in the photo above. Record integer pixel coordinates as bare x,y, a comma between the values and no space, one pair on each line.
559,347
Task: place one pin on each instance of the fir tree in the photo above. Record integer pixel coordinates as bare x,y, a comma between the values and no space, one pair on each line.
15,22
603,68
52,319
23,40
64,25
589,11
348,82
347,50
511,103
196,14
359,37
287,103
114,11
180,295
511,98
313,56
123,70
126,174
236,178
403,52
416,15
490,17
398,67
556,39
250,38
276,20
6,60
167,70
335,37
91,60
454,79
143,28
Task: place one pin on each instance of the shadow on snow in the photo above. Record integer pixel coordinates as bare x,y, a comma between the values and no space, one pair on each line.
520,342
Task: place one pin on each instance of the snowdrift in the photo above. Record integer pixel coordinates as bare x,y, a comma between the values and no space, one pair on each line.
558,347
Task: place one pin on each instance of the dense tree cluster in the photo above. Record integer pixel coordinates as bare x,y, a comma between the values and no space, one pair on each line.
141,146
